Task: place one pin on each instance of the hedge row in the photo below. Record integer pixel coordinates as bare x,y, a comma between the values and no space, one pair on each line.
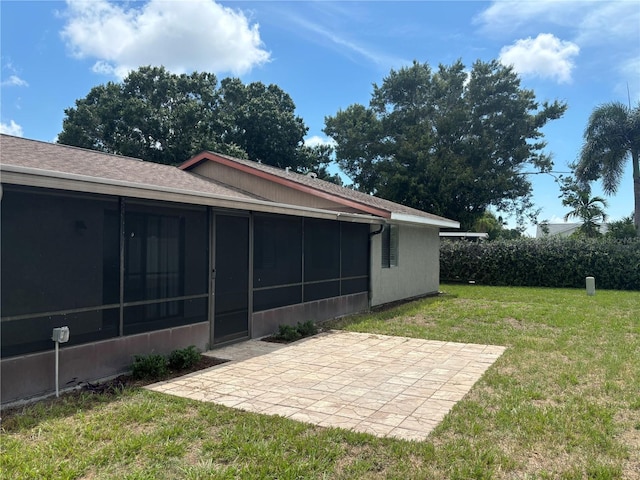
546,262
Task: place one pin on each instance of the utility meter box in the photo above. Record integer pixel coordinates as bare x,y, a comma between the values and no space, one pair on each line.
60,334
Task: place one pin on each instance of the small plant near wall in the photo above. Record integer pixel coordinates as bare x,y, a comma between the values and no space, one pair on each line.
307,329
156,366
288,333
184,358
151,367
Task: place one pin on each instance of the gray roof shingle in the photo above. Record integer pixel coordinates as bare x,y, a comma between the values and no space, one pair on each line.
64,159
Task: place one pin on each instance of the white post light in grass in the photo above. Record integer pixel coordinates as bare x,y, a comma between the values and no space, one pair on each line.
59,335
591,286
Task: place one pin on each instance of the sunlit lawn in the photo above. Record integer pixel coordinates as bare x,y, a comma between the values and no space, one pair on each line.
562,402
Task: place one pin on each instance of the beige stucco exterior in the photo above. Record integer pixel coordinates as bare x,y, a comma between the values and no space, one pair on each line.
418,269
265,188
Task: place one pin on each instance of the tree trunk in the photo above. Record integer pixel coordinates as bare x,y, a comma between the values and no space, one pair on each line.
635,160
636,194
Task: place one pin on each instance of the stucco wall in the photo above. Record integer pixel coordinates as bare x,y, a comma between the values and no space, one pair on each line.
268,321
418,270
265,188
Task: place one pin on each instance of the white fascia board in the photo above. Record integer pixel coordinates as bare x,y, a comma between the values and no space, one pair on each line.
432,222
36,177
464,234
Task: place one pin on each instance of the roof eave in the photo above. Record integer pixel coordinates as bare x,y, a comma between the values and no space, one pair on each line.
28,176
439,222
464,235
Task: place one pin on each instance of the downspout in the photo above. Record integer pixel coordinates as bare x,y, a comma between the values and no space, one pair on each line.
371,235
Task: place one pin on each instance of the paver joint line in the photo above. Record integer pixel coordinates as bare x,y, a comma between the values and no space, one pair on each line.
378,384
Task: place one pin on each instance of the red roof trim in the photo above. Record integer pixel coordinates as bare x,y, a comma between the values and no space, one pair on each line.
283,181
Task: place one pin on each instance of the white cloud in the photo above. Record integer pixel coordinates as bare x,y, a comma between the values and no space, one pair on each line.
631,68
591,22
545,56
183,36
608,22
511,16
316,140
629,81
345,46
105,68
14,81
11,129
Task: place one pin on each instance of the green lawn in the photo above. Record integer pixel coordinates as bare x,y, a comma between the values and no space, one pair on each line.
562,402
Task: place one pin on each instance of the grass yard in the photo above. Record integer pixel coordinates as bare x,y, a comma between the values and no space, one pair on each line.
562,402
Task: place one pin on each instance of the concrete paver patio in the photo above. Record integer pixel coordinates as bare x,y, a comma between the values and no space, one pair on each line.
383,385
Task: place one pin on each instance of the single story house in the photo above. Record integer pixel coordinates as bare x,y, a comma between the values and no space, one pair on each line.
464,236
563,229
137,257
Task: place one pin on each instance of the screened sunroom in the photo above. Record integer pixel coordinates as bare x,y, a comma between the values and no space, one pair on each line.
138,258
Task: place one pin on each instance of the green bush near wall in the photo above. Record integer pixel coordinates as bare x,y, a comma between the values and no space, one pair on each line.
545,262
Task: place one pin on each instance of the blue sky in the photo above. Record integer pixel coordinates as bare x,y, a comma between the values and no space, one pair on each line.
326,55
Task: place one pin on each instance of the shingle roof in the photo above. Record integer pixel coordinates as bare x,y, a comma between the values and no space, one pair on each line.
61,160
64,159
321,186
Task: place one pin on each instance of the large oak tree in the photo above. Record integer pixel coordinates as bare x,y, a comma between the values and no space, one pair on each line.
166,118
449,142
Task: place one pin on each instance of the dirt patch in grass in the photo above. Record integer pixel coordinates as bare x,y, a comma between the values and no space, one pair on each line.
515,323
629,435
631,468
358,460
420,320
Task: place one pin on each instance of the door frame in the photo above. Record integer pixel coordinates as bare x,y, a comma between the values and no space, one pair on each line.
213,213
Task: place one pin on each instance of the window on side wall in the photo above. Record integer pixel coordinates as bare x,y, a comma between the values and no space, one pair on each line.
390,246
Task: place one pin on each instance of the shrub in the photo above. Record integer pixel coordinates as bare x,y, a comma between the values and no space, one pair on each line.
623,228
288,333
545,262
149,367
184,358
307,329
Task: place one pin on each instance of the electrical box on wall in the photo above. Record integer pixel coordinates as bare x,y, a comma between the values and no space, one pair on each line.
60,334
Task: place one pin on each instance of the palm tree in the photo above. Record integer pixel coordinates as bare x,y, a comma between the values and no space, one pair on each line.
588,209
611,137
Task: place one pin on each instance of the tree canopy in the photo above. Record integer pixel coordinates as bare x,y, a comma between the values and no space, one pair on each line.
448,142
494,226
621,229
612,136
167,118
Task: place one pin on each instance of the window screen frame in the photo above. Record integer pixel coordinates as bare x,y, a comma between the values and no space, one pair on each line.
103,315
176,308
313,280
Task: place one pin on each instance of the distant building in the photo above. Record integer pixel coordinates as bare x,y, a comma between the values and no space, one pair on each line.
562,229
468,236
